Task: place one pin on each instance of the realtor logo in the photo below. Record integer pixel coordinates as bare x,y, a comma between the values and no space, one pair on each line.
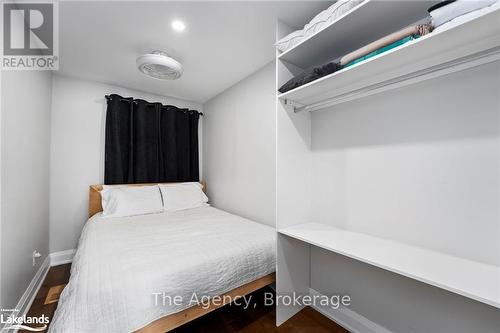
29,36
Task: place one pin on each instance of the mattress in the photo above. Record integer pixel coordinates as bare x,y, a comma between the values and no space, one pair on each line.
122,264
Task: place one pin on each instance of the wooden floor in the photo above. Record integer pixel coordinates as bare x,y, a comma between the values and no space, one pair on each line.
229,319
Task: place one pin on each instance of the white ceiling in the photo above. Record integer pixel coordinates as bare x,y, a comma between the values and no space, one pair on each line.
223,42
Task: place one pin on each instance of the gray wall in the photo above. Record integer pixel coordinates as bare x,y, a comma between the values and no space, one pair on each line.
239,147
77,151
25,141
418,165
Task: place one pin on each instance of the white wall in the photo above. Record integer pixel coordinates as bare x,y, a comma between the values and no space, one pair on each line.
400,304
25,140
77,151
1,107
239,147
293,190
419,165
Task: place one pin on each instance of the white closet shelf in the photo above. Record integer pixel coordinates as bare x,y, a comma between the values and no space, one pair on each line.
363,24
467,45
468,278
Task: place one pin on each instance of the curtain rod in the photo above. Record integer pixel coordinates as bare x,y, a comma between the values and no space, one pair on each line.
135,102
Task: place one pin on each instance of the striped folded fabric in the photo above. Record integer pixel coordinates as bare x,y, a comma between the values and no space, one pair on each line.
414,30
383,49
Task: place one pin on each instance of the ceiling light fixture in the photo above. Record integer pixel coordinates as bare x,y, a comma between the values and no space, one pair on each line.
159,65
178,25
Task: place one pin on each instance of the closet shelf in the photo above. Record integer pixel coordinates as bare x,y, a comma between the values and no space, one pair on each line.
468,278
467,45
363,24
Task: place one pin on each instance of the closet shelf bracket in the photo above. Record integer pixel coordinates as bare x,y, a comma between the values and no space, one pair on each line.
297,107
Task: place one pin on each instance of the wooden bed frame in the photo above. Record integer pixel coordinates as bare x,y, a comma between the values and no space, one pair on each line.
170,322
175,320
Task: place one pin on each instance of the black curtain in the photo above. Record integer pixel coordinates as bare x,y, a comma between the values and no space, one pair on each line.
149,142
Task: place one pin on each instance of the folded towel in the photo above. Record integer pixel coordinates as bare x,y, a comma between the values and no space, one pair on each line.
419,29
309,76
384,49
443,14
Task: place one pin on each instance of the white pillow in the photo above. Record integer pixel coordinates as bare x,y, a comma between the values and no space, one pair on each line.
466,17
182,196
455,9
120,201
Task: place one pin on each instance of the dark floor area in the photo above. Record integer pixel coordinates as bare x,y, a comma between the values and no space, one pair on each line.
228,319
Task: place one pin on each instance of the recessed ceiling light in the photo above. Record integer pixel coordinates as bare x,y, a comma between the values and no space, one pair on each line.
178,25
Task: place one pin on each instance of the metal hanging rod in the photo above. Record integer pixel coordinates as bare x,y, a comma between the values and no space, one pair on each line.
108,97
297,107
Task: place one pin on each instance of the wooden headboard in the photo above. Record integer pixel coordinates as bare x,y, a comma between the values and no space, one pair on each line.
95,205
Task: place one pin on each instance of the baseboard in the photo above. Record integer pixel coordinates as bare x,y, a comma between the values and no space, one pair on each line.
53,259
62,257
29,295
349,319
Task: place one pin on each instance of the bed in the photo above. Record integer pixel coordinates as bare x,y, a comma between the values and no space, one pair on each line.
127,270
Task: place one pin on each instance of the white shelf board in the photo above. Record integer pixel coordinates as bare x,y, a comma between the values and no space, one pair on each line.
470,44
468,278
365,23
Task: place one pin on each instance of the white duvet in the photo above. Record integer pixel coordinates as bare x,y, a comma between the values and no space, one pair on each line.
121,263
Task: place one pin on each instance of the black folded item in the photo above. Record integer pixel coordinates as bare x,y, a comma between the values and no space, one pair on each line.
440,4
309,76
